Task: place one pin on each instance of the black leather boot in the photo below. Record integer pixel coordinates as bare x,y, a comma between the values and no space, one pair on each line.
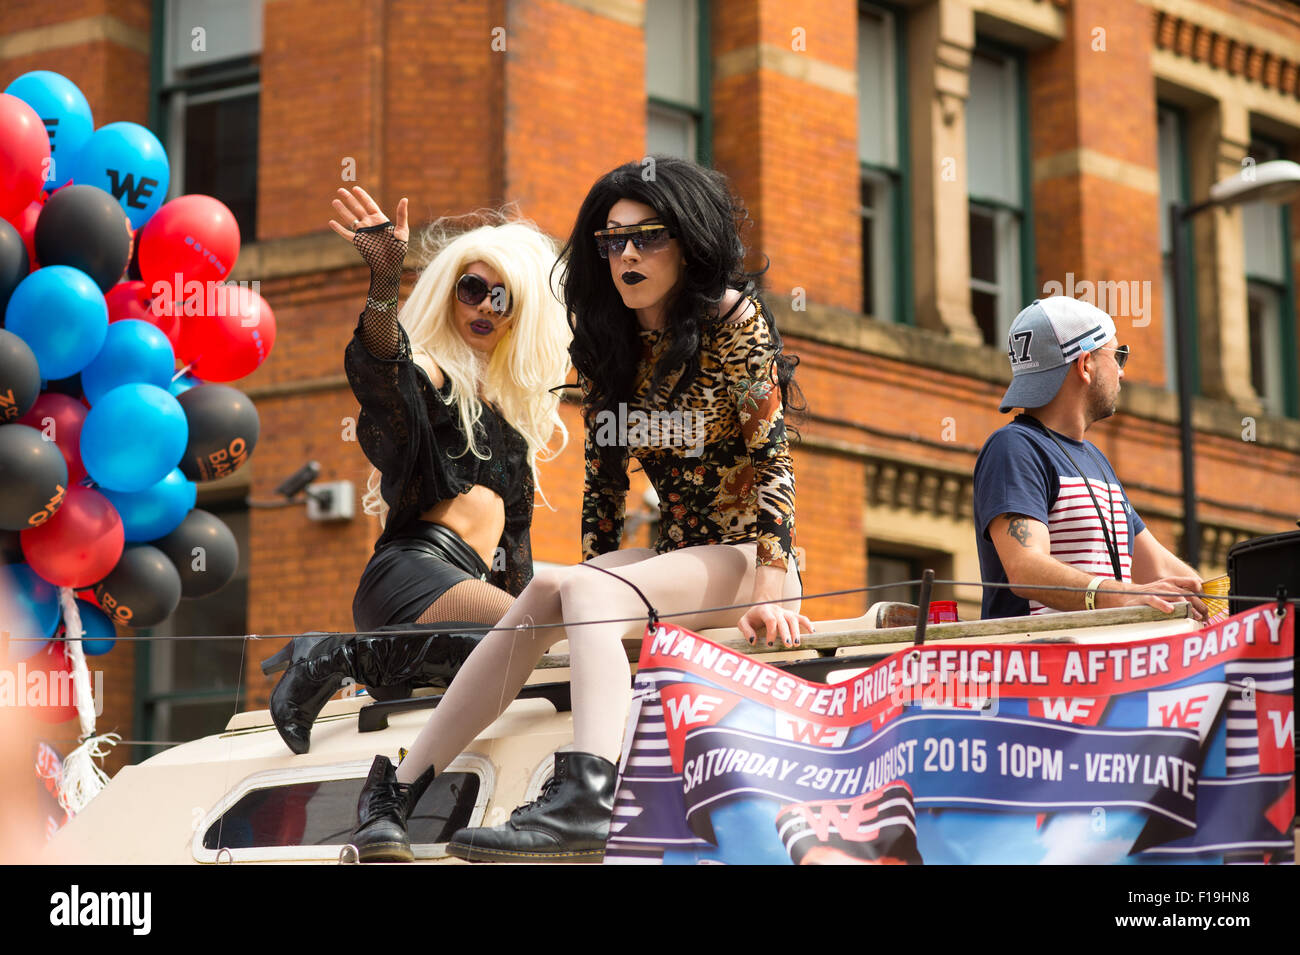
390,666
568,822
382,811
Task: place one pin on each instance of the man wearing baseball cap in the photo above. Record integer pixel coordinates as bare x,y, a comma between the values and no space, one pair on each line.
1049,509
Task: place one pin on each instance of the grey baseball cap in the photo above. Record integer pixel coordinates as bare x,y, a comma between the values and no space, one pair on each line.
1044,339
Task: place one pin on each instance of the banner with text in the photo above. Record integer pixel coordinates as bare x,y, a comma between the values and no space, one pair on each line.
1177,748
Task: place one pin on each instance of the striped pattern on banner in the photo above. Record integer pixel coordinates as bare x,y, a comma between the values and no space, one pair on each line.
647,756
1075,528
1242,742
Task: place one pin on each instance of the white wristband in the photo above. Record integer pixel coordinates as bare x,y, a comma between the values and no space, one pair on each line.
1090,598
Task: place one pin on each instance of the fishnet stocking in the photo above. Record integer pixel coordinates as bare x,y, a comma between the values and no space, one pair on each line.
705,576
469,600
384,253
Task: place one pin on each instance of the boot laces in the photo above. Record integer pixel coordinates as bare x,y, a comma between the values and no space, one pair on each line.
548,790
388,799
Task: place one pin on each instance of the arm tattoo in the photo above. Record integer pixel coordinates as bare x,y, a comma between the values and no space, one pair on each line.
1019,529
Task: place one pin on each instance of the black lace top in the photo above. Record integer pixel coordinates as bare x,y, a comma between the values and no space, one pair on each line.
411,432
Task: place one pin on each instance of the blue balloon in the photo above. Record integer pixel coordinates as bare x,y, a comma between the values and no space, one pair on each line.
133,437
66,115
127,162
35,610
134,351
157,511
98,632
183,384
61,314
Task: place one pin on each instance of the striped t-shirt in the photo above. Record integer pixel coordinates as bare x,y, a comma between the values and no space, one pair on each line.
1021,470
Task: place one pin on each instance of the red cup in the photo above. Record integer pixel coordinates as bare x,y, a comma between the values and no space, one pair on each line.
943,611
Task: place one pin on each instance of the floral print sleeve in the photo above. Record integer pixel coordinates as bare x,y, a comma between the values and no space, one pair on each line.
604,497
749,364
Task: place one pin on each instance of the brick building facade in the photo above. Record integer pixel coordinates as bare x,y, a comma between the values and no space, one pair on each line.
916,172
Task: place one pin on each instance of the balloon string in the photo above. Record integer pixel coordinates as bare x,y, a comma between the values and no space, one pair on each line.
183,371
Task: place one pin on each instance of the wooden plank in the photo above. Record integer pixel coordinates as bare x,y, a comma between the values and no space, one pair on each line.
1012,627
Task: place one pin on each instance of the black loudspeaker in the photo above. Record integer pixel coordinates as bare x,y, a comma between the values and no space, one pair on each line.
1256,568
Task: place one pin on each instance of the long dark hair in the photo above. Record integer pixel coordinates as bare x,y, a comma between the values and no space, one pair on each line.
697,205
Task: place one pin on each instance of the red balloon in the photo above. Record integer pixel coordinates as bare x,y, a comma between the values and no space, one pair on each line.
49,692
195,237
80,544
24,155
232,334
25,222
133,300
66,415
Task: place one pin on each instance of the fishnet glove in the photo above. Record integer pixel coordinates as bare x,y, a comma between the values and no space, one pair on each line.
384,253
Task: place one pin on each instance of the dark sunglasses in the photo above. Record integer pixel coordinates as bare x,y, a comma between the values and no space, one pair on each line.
1120,353
645,238
472,289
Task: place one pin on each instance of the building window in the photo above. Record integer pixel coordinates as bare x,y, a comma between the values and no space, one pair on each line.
1270,297
188,689
893,564
209,102
882,157
677,79
999,198
1173,188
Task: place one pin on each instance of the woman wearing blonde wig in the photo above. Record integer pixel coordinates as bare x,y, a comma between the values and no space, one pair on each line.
457,408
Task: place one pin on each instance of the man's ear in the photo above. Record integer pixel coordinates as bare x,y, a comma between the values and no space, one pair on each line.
1085,374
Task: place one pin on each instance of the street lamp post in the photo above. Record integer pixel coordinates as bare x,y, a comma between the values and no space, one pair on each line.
1278,181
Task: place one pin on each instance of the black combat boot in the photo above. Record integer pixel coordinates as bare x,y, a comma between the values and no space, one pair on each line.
568,822
382,811
390,666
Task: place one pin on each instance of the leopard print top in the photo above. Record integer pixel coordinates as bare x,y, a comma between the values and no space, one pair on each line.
719,461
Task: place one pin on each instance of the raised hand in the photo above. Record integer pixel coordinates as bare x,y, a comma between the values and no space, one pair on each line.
359,210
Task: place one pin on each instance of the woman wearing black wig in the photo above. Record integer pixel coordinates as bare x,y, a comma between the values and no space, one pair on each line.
652,281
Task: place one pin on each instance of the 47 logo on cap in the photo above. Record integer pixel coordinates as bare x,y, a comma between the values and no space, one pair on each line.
1020,342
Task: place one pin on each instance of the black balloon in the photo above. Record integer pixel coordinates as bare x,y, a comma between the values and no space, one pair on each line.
142,590
223,431
33,477
13,263
20,377
204,551
84,227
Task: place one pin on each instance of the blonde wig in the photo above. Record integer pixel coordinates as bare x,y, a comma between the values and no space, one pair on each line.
529,360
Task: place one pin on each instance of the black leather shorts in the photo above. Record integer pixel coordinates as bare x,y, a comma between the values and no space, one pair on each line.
410,572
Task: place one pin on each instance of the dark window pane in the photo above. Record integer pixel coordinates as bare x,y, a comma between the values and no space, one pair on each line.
1256,307
887,569
209,664
221,156
984,305
869,277
187,720
324,813
983,245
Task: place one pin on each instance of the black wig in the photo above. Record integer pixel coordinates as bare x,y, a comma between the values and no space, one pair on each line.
697,206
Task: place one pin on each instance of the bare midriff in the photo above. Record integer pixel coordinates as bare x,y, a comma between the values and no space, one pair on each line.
478,516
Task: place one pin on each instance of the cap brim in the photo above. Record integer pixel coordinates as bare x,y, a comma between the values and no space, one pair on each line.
1033,390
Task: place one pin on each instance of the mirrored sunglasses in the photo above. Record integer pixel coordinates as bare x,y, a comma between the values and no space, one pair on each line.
644,238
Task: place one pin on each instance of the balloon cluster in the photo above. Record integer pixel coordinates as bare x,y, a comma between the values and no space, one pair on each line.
111,402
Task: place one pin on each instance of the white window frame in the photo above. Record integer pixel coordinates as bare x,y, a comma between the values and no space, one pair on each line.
475,763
